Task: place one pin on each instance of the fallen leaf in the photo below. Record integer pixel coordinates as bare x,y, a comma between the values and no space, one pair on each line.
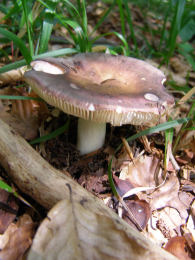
24,115
140,210
167,195
191,221
8,209
153,231
142,172
169,222
178,247
17,239
72,231
122,186
25,128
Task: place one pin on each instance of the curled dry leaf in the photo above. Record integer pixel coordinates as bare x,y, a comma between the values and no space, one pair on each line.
122,186
17,239
140,210
144,173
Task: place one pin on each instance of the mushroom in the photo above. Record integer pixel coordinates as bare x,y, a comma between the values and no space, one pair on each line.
101,88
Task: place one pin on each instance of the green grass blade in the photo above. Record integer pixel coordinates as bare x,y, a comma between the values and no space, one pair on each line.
130,23
45,35
168,142
58,16
71,7
84,18
78,39
29,29
156,129
122,16
18,42
56,53
52,135
190,128
3,10
79,6
175,25
163,32
80,35
110,179
123,40
6,187
8,97
12,66
185,126
11,11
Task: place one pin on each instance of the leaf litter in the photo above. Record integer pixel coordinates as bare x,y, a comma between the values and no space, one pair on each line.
165,213
148,197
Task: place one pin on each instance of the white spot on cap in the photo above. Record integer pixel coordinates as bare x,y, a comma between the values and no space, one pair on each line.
74,86
163,81
151,97
46,67
91,107
143,78
118,109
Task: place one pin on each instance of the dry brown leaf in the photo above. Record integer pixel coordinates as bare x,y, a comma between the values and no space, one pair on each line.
142,172
26,128
8,209
169,222
180,72
17,239
24,115
191,221
140,210
167,195
153,231
178,247
48,185
71,231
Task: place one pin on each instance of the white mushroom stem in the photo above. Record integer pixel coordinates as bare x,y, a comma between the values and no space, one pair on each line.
91,136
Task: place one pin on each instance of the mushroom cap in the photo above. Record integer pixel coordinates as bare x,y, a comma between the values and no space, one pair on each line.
102,88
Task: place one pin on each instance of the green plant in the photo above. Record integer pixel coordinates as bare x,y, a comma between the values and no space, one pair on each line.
185,127
125,17
36,24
